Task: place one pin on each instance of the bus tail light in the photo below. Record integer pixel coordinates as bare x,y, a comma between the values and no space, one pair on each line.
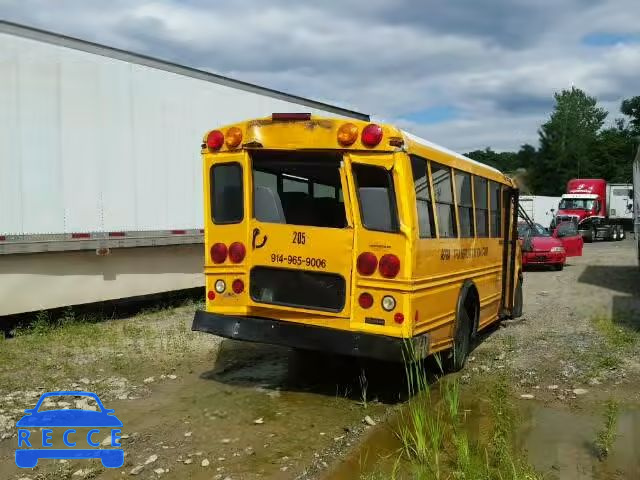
237,286
237,252
347,134
371,135
389,265
215,139
365,300
211,295
233,137
366,263
398,318
219,253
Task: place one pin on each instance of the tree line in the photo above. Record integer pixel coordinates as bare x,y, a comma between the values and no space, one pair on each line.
573,143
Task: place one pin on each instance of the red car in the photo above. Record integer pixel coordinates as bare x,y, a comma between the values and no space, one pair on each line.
541,247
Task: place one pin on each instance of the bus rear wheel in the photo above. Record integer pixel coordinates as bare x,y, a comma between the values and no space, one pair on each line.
518,301
466,318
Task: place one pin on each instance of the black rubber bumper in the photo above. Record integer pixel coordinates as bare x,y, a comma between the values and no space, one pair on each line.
296,335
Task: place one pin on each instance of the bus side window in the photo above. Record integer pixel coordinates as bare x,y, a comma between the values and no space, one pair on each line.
443,196
465,204
423,197
482,217
496,210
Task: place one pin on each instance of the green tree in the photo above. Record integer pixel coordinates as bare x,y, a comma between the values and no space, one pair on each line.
567,141
631,108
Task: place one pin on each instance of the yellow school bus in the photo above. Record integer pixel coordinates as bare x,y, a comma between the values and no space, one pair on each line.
354,238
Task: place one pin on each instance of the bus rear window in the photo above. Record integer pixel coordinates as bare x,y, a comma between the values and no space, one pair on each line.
298,188
376,198
225,181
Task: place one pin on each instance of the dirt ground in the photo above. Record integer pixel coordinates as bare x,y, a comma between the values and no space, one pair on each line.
196,406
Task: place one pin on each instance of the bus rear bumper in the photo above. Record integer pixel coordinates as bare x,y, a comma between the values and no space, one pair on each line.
306,337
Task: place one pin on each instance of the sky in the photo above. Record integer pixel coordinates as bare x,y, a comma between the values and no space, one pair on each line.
467,74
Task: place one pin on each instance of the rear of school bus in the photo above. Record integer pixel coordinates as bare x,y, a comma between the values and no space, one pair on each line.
307,240
311,239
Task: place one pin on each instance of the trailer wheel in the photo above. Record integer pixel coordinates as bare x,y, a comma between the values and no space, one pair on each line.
614,234
621,233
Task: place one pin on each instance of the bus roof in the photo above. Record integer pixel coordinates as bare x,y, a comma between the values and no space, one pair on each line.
435,146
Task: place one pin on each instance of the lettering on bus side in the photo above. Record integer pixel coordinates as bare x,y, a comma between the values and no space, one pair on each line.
463,253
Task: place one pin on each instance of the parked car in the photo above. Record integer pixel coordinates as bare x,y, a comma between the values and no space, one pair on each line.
569,235
540,247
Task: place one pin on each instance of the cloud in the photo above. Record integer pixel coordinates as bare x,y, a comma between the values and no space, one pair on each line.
466,74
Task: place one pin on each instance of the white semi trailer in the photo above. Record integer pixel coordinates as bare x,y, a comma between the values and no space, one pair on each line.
100,173
636,202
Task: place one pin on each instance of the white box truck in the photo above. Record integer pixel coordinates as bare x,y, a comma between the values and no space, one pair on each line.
541,209
100,170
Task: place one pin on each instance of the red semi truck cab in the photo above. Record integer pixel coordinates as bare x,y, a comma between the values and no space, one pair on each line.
585,203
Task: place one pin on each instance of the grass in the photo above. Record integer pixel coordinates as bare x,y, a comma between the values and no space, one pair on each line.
364,384
607,434
435,437
52,352
616,331
616,338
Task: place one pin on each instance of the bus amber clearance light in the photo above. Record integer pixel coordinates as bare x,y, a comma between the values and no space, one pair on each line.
233,138
389,265
215,139
347,134
366,263
371,135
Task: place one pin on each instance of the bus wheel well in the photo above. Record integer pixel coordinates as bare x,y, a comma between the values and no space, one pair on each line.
469,299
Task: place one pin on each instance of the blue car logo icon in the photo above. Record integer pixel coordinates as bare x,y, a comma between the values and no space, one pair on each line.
32,447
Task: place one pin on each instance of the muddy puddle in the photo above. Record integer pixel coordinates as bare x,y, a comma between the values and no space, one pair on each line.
557,441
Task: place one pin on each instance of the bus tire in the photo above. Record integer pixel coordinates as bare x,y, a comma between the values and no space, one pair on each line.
518,300
467,312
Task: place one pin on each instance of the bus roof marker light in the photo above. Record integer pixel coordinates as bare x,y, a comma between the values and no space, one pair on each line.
366,263
233,137
290,116
371,135
215,139
347,134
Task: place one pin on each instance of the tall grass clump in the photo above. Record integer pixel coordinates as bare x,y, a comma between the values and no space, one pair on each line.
607,434
435,439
